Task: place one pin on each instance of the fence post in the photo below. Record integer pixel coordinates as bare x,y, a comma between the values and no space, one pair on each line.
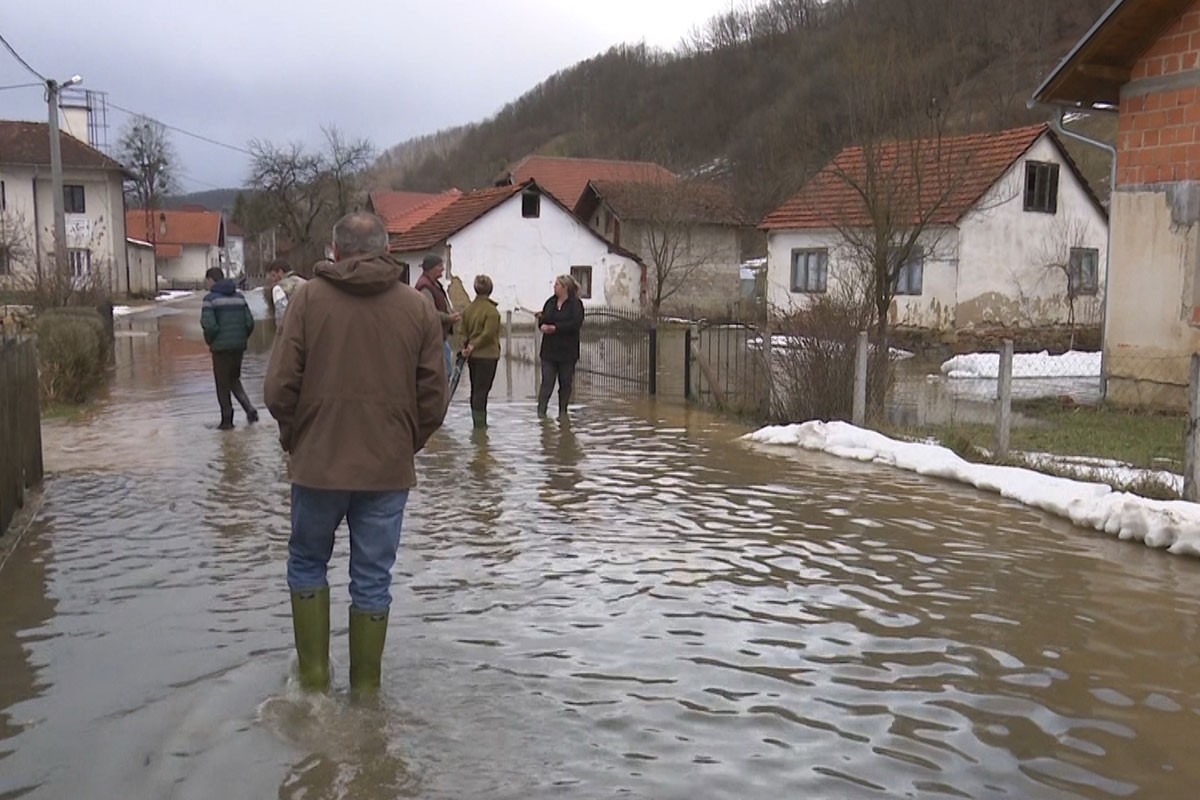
653,358
687,361
859,412
1191,449
508,334
1004,397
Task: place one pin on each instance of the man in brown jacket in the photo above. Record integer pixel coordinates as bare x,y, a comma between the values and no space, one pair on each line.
357,383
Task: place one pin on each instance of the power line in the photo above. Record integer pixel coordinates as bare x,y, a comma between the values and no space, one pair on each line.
20,86
22,61
232,147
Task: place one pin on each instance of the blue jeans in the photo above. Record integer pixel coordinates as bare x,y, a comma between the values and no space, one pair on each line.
374,518
449,358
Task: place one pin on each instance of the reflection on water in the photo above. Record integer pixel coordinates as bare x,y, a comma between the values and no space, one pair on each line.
628,602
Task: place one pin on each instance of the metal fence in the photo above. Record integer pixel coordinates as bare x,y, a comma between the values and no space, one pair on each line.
20,425
726,367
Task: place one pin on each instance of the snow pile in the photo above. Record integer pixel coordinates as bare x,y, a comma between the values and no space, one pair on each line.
1173,524
121,311
1072,364
781,341
167,296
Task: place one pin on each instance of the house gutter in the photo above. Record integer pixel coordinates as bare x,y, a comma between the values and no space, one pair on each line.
1059,127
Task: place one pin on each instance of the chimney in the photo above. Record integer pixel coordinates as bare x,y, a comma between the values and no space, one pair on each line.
162,223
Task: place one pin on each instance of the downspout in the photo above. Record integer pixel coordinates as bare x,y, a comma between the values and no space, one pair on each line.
1057,124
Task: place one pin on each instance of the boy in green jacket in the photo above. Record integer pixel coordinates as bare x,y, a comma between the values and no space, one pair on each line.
227,323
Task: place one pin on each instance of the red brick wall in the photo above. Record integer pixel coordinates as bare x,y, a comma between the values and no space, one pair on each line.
1158,134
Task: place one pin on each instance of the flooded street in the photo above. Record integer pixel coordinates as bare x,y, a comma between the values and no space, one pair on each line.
632,605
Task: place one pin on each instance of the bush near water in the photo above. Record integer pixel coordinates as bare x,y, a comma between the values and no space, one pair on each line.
73,353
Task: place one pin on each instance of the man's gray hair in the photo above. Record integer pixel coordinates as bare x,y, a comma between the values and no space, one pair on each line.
360,232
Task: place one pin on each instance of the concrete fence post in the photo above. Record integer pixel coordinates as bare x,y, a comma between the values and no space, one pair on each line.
508,334
1004,398
861,354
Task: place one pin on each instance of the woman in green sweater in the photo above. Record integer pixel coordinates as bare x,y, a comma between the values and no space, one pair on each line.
481,332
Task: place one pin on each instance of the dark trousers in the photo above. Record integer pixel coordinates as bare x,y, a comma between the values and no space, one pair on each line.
483,375
564,373
227,370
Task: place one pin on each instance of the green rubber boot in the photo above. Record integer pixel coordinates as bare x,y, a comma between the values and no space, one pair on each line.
367,634
310,623
479,417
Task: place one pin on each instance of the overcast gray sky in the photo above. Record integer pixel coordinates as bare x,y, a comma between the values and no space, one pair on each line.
236,70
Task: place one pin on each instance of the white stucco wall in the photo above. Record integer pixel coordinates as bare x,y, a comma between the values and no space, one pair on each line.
100,229
190,267
1004,250
991,269
141,267
523,257
933,308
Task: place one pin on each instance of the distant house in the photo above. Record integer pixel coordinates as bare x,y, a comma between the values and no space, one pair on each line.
94,205
1016,234
522,238
1141,60
686,231
186,242
566,178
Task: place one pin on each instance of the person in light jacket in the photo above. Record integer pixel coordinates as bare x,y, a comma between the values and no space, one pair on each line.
481,332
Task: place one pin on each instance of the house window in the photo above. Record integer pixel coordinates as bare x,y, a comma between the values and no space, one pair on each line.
73,199
809,268
80,261
531,205
1084,274
3,197
583,277
910,279
5,260
1041,187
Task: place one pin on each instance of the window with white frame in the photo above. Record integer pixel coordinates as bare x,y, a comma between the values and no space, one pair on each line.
80,261
809,270
910,278
1084,273
583,277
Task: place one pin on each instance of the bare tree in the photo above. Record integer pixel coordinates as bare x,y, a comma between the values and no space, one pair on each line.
1065,253
146,150
15,251
304,192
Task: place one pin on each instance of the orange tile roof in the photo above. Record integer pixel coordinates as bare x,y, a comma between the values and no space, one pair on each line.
181,228
691,201
392,205
948,178
454,212
566,178
416,214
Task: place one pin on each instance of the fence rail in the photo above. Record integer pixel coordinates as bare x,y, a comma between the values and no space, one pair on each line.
20,425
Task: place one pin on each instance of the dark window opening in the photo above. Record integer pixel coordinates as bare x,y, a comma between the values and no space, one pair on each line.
531,205
73,202
1041,187
910,278
583,277
1084,273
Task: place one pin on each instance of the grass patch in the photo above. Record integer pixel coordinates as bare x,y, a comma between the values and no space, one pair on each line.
1146,440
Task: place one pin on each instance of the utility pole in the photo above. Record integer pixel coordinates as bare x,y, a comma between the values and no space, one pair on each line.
56,176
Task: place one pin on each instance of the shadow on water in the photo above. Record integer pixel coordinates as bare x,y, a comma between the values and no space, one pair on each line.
630,602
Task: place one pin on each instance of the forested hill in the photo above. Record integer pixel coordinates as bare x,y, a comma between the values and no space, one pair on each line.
763,95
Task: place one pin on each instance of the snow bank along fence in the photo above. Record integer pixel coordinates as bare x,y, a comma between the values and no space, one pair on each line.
20,424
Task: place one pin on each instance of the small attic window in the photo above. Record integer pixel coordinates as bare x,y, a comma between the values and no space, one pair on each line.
531,205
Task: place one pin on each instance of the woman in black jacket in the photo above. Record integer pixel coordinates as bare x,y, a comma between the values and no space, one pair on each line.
559,321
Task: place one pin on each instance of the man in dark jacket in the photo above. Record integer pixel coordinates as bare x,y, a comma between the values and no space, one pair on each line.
227,323
357,383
